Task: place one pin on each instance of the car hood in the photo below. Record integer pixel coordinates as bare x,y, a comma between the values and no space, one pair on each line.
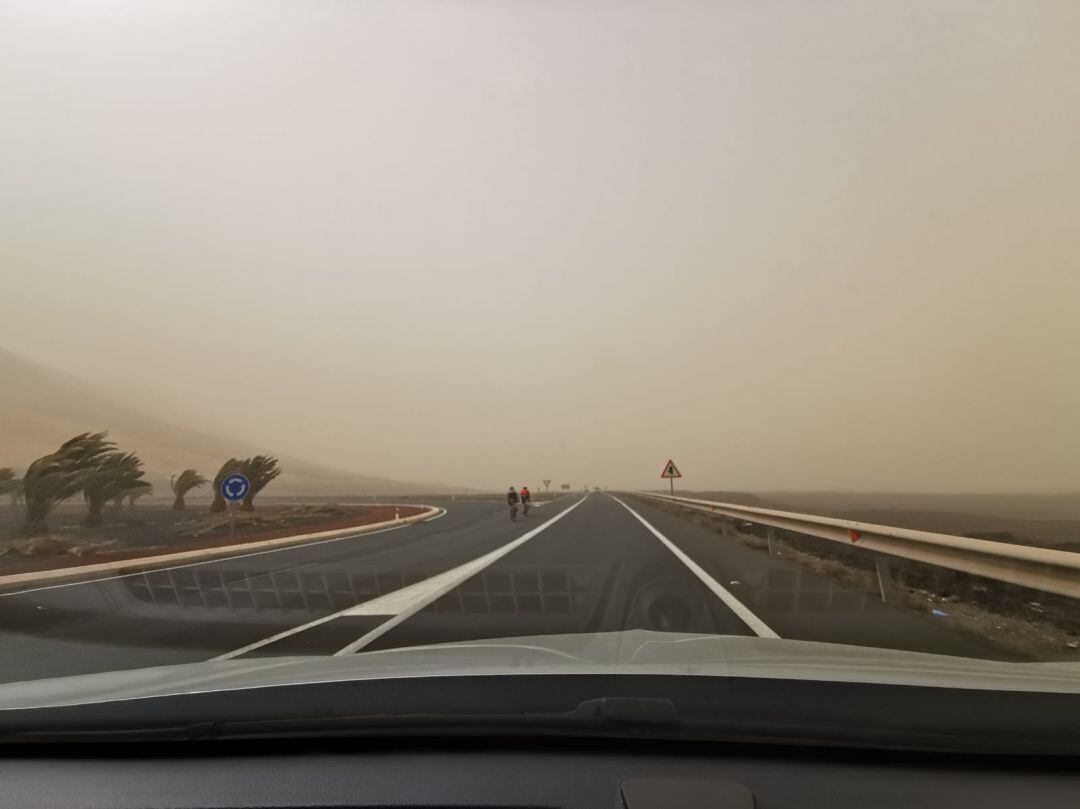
632,652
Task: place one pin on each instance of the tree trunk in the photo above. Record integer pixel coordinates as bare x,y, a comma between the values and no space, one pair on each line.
249,503
219,506
93,514
178,503
36,512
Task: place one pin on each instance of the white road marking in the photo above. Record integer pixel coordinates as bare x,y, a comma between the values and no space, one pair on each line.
251,647
396,603
408,601
219,559
759,627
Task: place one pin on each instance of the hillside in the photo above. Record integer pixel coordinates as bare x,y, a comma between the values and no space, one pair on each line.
41,407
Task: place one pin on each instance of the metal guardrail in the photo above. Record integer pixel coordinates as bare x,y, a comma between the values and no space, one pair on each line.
1043,569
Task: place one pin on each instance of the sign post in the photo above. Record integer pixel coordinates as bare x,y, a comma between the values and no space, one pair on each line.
547,483
234,488
671,472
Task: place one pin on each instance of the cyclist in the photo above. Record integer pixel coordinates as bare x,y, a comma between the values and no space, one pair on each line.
512,500
526,500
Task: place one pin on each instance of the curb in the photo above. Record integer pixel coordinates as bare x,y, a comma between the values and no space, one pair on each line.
164,560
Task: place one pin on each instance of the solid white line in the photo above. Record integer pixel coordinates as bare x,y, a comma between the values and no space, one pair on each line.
391,603
442,513
251,647
410,600
220,558
745,615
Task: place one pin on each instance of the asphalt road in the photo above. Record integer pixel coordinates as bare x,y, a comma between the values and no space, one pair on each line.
578,564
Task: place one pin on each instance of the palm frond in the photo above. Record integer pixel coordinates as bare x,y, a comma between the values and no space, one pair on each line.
57,476
229,467
186,481
259,471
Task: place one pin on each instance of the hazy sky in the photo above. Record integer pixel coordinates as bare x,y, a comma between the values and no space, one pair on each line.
789,244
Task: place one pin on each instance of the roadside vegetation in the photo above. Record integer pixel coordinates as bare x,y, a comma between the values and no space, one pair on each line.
137,494
115,476
231,466
259,471
91,465
11,485
182,484
53,478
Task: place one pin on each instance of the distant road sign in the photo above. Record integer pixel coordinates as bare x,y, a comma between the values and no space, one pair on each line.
565,487
546,483
670,471
235,487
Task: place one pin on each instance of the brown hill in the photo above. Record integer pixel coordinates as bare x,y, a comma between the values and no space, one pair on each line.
41,407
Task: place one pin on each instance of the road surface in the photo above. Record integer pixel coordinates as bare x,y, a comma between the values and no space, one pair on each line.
578,564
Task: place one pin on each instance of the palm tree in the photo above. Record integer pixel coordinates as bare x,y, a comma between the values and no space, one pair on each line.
229,467
259,471
8,482
54,478
11,485
115,475
16,493
140,489
138,492
182,484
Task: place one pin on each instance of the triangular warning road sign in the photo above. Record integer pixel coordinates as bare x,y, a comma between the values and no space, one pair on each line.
670,471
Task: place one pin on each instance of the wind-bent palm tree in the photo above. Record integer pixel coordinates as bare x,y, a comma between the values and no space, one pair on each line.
259,471
141,489
182,484
16,493
227,468
8,482
140,492
54,478
116,475
11,485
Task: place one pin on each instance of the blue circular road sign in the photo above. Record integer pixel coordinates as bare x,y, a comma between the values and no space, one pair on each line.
235,487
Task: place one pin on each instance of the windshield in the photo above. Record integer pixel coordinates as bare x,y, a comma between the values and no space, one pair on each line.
675,337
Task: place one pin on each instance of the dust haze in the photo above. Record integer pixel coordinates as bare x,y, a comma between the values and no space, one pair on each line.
791,246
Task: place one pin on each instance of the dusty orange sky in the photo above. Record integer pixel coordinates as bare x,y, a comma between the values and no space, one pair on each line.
802,246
